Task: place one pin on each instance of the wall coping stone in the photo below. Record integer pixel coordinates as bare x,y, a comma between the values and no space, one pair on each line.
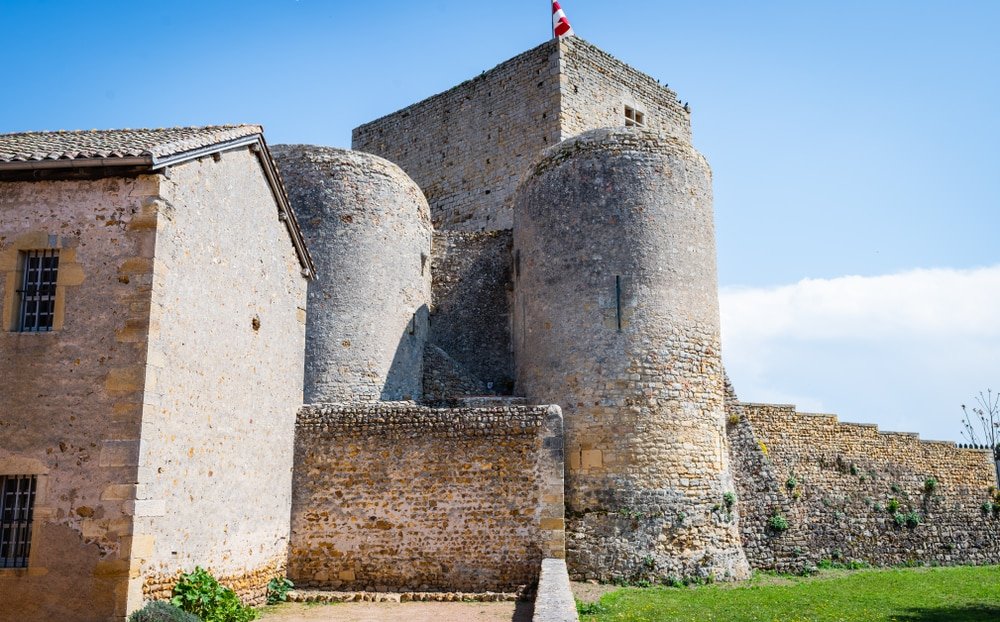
406,419
554,600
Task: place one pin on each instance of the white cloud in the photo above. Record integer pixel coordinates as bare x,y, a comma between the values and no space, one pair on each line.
902,350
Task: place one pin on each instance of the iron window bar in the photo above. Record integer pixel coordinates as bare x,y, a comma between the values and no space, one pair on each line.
17,503
38,290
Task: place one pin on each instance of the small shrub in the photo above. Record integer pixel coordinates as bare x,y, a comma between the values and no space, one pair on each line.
733,419
986,507
797,494
930,485
277,590
900,518
878,507
729,499
198,592
791,482
854,469
893,506
161,611
913,519
777,522
649,562
797,551
895,488
673,581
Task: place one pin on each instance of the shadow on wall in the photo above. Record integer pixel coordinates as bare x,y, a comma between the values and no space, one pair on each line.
404,380
981,613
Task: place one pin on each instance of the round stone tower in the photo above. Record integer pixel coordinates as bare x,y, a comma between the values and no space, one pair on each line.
616,319
368,229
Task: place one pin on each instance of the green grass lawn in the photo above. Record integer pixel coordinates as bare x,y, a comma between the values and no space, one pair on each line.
905,595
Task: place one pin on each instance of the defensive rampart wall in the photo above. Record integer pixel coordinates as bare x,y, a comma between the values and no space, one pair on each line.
849,492
395,496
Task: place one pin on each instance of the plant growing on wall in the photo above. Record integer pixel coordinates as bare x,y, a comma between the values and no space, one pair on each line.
777,522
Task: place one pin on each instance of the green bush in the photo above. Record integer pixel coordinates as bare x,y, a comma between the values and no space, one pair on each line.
893,506
777,522
729,498
900,518
987,507
201,594
161,611
930,485
913,519
791,482
277,590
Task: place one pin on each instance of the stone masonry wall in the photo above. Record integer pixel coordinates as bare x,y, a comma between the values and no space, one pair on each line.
71,399
226,351
470,318
403,497
838,486
467,147
595,88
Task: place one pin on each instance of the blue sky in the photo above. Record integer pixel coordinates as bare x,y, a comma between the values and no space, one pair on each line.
847,139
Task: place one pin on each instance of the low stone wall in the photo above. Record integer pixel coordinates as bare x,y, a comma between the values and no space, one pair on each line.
400,497
554,600
849,492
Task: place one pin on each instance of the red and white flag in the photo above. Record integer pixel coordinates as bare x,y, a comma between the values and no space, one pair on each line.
560,25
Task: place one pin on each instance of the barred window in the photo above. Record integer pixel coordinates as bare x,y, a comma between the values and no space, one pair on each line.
38,290
17,501
634,117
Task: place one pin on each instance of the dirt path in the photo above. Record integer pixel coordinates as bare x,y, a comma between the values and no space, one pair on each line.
399,612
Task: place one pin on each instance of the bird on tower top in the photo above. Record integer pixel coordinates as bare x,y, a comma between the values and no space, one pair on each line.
560,25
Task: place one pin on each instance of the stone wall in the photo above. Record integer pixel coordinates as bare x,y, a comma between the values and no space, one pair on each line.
838,486
595,87
71,399
395,496
226,350
470,319
467,147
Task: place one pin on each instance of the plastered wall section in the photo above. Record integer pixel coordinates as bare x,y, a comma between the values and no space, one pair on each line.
596,87
838,485
467,147
226,346
395,496
71,399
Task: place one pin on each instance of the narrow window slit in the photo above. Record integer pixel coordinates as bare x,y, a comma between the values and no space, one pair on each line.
618,301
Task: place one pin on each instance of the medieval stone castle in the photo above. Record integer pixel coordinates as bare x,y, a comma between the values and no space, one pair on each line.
500,313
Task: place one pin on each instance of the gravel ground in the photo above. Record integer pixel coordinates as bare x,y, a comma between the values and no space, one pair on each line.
399,612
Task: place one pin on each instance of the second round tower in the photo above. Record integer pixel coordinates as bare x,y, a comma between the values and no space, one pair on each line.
368,228
616,319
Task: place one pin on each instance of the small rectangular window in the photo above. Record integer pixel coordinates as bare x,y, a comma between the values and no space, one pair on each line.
17,502
634,117
38,290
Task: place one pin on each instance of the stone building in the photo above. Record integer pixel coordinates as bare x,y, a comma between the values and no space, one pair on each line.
154,293
511,353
